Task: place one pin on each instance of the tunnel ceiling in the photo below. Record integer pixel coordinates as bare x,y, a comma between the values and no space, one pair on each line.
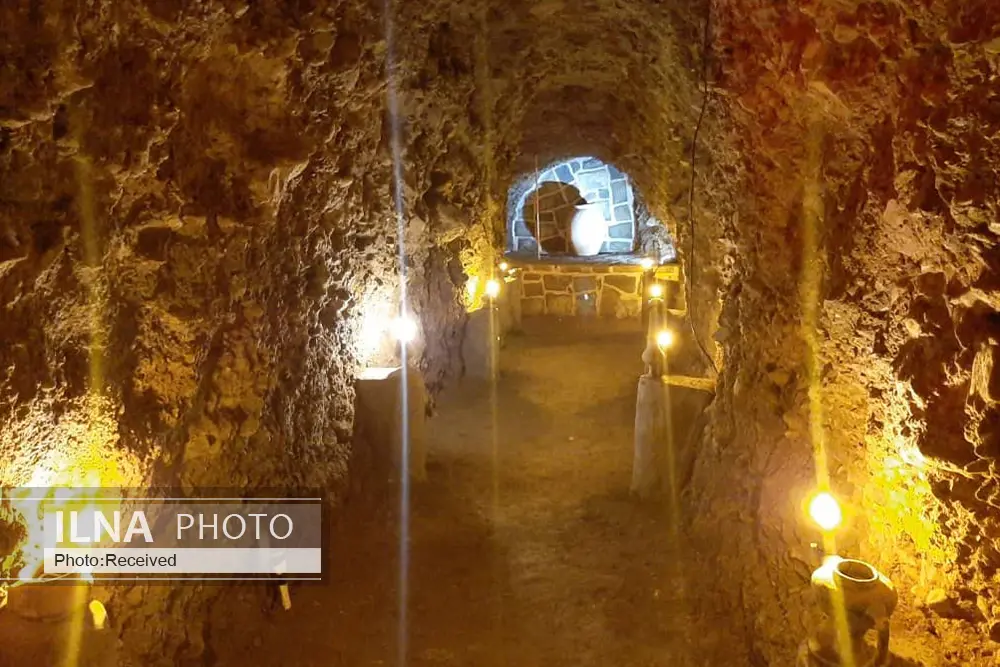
556,79
609,78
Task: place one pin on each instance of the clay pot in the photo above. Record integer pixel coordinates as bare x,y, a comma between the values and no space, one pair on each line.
588,229
867,598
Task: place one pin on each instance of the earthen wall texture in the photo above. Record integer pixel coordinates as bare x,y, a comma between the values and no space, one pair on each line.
197,209
197,221
860,318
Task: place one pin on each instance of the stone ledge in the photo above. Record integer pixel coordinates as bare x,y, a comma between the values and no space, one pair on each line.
524,260
701,384
572,290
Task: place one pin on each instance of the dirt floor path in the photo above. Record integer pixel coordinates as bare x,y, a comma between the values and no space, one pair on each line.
525,548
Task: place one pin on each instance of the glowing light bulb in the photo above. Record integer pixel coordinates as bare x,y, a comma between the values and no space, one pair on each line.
656,290
472,287
98,613
492,288
646,263
504,266
825,511
403,329
665,339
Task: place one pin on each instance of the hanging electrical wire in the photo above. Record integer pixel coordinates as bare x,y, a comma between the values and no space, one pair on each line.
694,148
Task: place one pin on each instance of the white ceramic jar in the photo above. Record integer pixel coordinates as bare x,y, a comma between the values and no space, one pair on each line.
588,229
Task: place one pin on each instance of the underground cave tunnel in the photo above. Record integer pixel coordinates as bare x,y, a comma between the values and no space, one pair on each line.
316,259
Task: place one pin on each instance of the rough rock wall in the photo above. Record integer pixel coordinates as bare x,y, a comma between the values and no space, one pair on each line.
197,234
868,148
197,211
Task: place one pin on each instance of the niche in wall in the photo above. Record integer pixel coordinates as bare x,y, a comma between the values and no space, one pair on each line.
631,231
560,187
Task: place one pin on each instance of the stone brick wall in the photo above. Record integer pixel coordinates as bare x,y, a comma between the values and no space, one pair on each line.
581,290
594,181
557,206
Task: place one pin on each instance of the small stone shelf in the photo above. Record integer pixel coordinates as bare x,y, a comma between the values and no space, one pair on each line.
581,286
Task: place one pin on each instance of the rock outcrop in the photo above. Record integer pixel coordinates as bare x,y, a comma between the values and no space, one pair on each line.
862,317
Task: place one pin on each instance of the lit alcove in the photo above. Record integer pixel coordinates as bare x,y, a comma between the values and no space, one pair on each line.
541,208
585,242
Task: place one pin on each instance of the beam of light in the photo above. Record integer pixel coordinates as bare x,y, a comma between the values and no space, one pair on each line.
809,293
76,463
663,337
813,215
656,291
485,101
403,632
95,305
492,288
